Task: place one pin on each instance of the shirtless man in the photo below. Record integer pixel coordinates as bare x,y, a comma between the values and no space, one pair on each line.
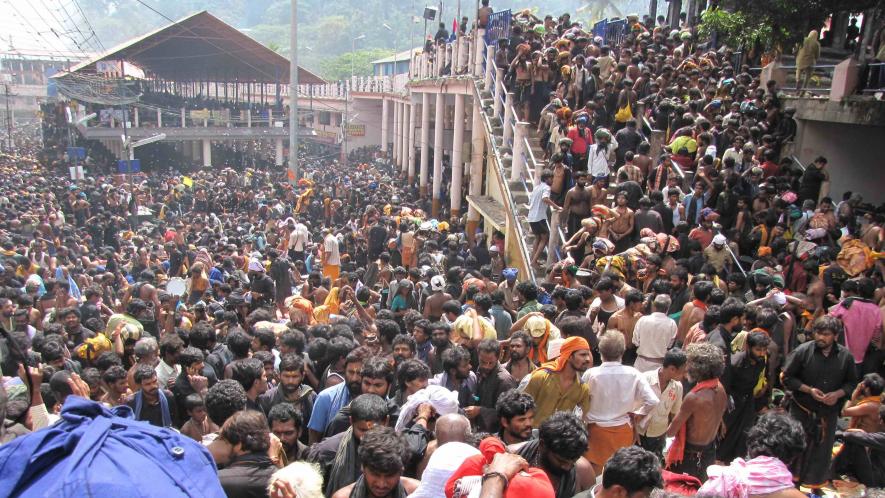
314,290
598,192
433,305
624,321
693,311
700,417
577,203
642,160
622,226
561,174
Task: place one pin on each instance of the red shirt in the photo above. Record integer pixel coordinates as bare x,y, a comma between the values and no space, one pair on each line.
579,143
770,169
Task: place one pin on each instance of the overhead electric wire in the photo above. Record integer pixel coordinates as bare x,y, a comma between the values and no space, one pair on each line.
89,24
50,45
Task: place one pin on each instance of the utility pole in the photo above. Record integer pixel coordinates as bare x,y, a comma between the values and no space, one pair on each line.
293,93
9,141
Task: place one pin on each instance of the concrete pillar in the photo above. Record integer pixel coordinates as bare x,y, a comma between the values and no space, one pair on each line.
183,118
499,92
207,152
278,145
438,152
508,117
385,118
135,116
490,69
478,142
479,47
403,138
425,142
248,118
410,140
457,153
518,164
270,118
846,75
159,118
396,134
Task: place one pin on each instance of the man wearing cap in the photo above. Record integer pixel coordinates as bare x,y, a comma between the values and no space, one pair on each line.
556,385
599,155
434,303
581,138
716,253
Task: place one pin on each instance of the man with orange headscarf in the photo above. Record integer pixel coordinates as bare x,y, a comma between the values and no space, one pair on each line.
556,385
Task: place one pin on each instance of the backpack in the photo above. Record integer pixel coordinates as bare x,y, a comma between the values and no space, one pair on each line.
96,451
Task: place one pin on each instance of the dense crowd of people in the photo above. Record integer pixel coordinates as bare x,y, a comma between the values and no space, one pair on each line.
714,326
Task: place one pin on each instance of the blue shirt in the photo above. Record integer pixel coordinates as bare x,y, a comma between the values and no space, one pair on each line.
328,403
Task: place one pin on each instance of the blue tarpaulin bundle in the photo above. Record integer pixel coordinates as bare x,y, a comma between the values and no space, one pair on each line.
96,451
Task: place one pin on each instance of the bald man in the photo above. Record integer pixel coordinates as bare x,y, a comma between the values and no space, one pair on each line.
449,428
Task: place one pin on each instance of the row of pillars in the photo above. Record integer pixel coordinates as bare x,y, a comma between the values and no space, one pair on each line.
407,145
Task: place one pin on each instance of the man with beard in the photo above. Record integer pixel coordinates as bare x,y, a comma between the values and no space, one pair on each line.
520,366
730,316
150,403
261,287
380,452
819,374
250,373
556,385
376,377
699,420
515,410
76,332
492,380
404,348
439,339
577,203
456,375
562,439
291,389
599,160
338,455
330,401
745,370
286,423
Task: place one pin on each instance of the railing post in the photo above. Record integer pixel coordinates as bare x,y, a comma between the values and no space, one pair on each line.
508,117
490,67
499,92
554,241
518,162
480,43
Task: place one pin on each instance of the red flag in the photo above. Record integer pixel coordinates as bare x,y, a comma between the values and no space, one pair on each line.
454,25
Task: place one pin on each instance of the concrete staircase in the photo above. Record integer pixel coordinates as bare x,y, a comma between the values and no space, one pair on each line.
519,189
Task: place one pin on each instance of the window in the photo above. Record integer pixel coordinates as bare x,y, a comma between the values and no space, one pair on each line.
325,118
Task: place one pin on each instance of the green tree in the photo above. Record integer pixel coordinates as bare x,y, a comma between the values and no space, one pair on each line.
338,68
773,24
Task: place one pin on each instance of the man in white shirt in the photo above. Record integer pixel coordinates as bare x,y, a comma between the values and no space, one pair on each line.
666,382
539,199
600,155
168,368
298,239
331,258
654,335
618,393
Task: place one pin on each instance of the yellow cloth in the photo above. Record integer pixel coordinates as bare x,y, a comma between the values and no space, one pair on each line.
331,306
549,398
187,181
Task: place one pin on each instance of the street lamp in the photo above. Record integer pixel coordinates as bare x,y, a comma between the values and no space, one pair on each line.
388,28
352,50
